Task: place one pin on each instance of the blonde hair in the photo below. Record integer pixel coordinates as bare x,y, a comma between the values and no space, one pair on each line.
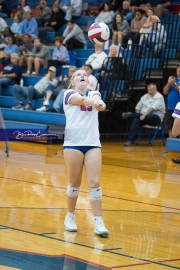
115,47
72,78
156,17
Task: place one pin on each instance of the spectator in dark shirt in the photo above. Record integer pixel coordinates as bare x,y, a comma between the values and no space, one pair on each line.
56,20
116,4
11,73
25,48
4,10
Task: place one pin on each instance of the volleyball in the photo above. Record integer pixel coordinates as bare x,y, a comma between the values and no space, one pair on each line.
98,33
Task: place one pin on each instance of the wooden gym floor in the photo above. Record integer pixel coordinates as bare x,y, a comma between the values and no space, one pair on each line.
141,208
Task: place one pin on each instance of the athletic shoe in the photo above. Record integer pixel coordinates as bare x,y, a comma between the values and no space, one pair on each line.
18,107
46,103
42,109
128,143
28,107
176,160
126,115
100,228
70,223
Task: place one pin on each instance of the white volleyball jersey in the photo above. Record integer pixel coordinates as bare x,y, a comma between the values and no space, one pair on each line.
176,113
82,125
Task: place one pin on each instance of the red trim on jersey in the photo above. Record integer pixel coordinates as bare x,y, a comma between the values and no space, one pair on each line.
68,95
176,111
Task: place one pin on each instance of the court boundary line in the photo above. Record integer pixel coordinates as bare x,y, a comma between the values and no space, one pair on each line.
81,245
85,209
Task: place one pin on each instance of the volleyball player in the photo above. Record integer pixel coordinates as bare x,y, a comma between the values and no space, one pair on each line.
82,148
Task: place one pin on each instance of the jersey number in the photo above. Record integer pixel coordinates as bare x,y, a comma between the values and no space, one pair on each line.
84,108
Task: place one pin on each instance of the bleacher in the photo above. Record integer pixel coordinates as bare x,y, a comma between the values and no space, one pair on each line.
137,70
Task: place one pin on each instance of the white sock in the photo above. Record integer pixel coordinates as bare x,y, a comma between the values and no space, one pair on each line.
28,71
97,218
70,213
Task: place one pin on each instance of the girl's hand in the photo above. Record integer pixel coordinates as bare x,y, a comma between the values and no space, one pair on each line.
99,105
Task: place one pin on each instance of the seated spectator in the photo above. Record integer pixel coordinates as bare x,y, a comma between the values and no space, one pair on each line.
25,48
29,26
120,29
161,7
136,25
111,66
23,8
60,55
136,4
4,37
73,36
9,49
53,92
52,25
127,14
36,91
16,27
116,4
148,23
93,83
43,13
96,59
3,25
62,3
38,57
176,126
149,110
106,15
73,10
11,73
155,38
58,103
5,11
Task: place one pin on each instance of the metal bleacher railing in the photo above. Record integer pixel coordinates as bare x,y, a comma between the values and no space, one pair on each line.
149,59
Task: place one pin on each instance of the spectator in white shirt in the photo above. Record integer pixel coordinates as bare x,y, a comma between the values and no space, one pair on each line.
150,111
96,59
3,25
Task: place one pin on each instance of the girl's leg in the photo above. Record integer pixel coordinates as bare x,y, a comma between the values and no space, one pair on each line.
92,163
74,160
120,37
114,37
